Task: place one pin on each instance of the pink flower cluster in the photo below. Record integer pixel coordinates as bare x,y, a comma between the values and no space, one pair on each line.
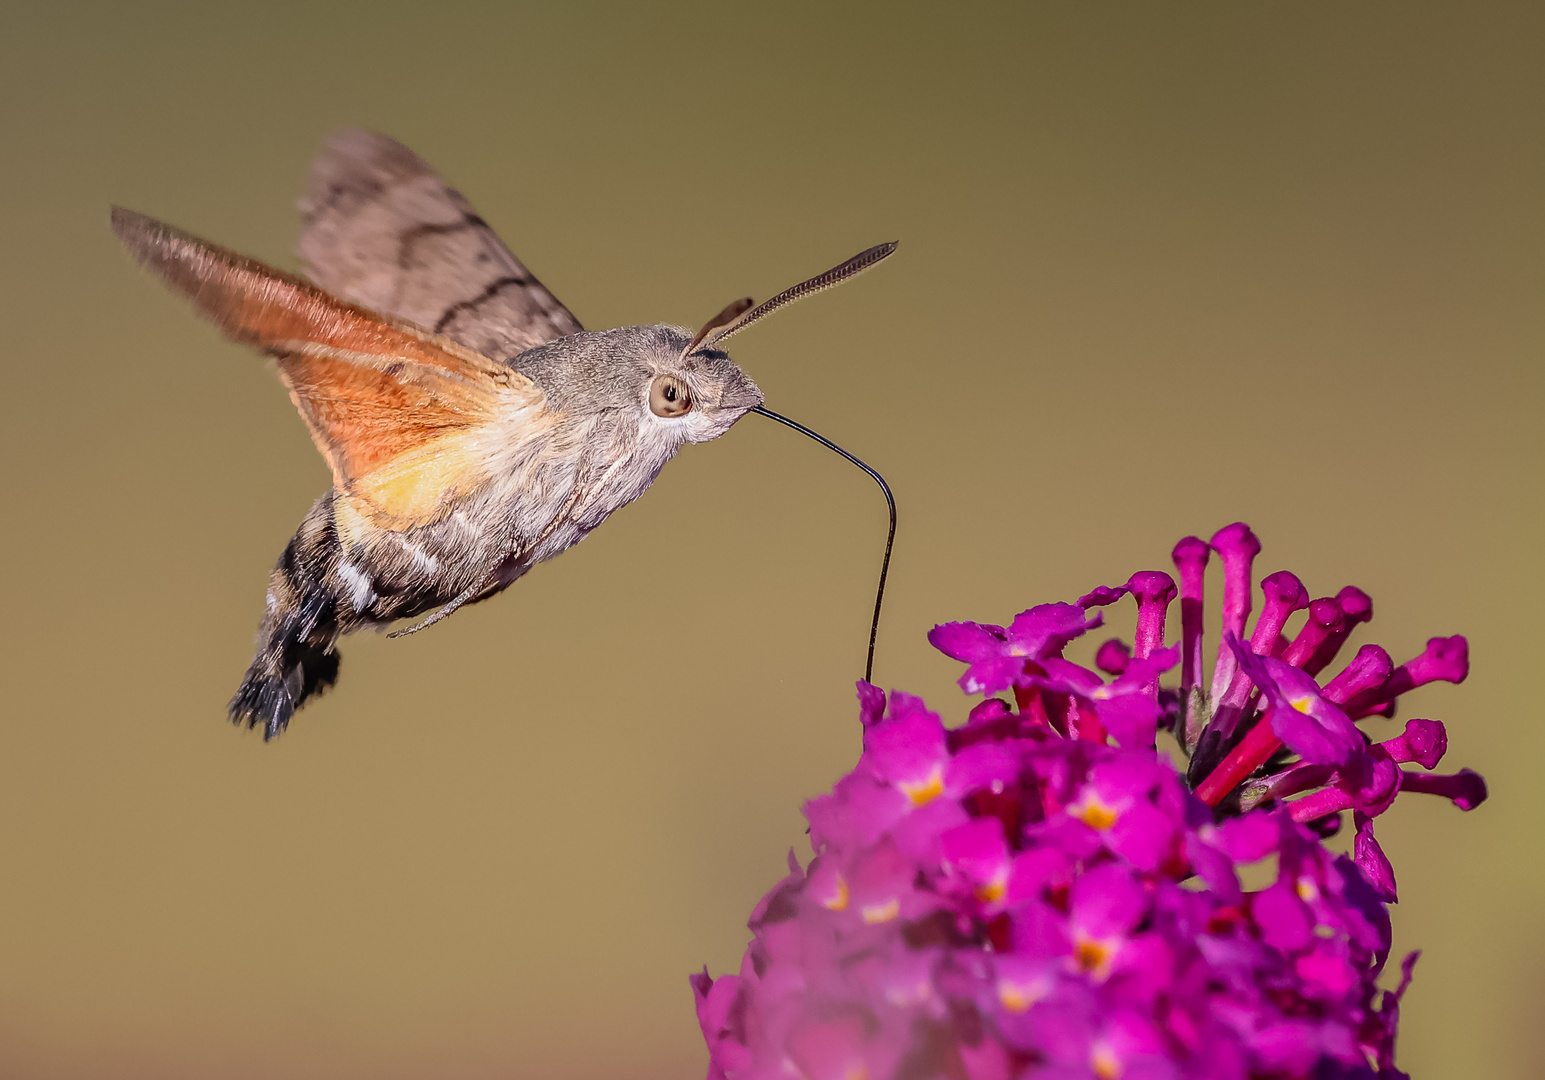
1017,896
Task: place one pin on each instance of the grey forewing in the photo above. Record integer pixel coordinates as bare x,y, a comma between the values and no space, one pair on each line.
384,231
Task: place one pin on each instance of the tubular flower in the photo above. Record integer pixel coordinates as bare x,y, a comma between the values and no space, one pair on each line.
1039,892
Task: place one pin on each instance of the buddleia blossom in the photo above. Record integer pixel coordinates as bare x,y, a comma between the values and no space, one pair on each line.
1039,892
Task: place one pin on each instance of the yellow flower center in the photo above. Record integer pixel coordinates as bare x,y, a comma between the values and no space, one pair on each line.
991,892
1104,1064
1094,956
1094,812
1018,997
878,913
922,792
839,897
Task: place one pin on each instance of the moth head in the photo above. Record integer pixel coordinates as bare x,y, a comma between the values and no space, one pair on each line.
643,379
726,393
694,396
673,385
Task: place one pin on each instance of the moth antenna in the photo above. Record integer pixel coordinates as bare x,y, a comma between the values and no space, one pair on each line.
730,313
715,331
890,501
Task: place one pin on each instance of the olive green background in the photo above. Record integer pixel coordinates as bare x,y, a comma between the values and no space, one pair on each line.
1163,266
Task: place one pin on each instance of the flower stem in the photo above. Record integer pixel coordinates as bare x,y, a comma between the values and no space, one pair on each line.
1259,743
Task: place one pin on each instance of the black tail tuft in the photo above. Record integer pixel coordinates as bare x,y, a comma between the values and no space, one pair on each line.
270,696
296,657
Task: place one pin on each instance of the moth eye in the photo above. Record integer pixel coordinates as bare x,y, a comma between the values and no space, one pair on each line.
668,396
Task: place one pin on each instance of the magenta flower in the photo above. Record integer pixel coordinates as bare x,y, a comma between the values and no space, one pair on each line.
997,656
1039,893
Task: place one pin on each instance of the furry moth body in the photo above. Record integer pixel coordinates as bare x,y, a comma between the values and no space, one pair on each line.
473,428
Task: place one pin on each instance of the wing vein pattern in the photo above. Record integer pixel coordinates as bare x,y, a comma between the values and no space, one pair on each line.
385,232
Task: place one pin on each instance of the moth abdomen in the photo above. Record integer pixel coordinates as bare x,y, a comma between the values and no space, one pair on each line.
339,574
296,657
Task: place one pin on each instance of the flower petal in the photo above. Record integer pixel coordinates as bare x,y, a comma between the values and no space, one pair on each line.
966,641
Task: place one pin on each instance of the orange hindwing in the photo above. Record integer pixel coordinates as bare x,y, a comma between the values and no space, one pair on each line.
395,409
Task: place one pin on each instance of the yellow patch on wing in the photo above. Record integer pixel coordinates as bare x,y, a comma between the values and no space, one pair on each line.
417,484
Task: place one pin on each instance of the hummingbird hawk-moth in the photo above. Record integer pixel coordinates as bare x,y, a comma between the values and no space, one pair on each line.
473,427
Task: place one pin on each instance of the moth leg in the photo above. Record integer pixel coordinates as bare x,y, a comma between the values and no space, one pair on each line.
506,572
436,616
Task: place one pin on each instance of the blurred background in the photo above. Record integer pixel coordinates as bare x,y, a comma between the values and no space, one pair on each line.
1162,267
